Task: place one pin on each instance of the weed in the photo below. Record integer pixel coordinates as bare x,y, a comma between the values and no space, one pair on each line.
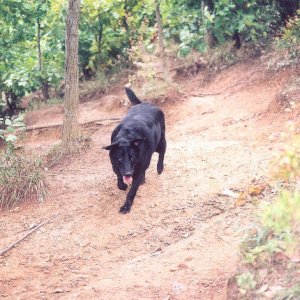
21,179
276,240
287,46
246,282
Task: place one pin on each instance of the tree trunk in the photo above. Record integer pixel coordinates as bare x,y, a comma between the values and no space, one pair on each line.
45,86
39,44
70,129
209,37
159,28
162,52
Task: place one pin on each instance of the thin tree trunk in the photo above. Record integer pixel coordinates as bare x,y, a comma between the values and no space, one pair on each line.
209,37
45,86
159,28
70,128
98,37
162,52
39,44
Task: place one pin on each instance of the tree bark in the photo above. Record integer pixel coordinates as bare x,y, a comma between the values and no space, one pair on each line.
162,52
209,37
45,85
159,28
70,129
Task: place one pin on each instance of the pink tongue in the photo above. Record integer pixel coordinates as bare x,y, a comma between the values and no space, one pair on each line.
127,179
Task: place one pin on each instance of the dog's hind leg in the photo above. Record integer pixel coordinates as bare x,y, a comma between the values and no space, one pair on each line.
161,149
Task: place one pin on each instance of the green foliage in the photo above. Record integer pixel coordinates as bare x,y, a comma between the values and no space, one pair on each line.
183,24
246,282
291,33
283,216
250,19
109,30
278,234
288,44
8,135
19,68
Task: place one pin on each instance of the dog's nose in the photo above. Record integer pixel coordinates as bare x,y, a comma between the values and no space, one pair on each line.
128,174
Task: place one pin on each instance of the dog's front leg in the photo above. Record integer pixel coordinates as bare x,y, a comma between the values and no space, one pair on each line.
121,185
132,192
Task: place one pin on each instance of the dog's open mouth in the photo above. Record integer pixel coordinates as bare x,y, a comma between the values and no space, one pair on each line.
127,179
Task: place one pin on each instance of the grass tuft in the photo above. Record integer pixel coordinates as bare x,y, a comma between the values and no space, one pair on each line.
21,179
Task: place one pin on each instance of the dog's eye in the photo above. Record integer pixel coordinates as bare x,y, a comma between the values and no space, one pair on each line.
120,159
132,158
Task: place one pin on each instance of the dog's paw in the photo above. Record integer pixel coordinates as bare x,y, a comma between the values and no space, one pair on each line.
125,209
122,186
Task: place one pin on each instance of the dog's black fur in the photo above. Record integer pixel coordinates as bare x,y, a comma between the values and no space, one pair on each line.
133,141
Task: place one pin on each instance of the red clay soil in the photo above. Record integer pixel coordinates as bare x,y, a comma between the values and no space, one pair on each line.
181,238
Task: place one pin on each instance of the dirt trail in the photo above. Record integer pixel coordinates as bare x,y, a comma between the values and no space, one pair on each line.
181,239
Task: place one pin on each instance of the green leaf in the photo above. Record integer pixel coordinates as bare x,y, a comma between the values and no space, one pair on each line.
17,124
10,129
20,118
7,122
11,138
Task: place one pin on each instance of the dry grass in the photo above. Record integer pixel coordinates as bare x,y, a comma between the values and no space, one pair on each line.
21,179
56,154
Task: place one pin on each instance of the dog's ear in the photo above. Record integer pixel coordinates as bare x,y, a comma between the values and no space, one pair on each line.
110,146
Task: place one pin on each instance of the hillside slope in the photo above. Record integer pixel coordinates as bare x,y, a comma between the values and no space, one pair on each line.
181,239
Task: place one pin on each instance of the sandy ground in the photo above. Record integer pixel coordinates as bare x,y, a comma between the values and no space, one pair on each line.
181,238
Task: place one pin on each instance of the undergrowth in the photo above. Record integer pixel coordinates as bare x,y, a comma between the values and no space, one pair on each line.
287,46
271,253
21,179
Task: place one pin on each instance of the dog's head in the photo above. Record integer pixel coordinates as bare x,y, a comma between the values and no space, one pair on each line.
124,157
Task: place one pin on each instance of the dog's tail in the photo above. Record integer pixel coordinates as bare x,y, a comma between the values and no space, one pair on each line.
132,97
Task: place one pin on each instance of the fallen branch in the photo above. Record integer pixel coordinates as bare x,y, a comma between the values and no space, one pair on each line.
3,251
30,128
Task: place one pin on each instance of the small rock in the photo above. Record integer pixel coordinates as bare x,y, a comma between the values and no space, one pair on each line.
183,266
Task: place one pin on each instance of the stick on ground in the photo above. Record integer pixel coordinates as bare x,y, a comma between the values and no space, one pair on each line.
3,251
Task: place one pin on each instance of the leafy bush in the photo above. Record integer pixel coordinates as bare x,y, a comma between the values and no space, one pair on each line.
291,33
183,25
282,218
246,282
287,45
250,19
8,134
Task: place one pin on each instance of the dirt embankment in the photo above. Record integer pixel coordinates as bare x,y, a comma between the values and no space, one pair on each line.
181,239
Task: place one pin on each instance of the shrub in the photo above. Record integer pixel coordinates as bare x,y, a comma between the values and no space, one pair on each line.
274,243
8,134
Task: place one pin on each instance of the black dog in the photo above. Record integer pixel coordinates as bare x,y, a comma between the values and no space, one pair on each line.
133,141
